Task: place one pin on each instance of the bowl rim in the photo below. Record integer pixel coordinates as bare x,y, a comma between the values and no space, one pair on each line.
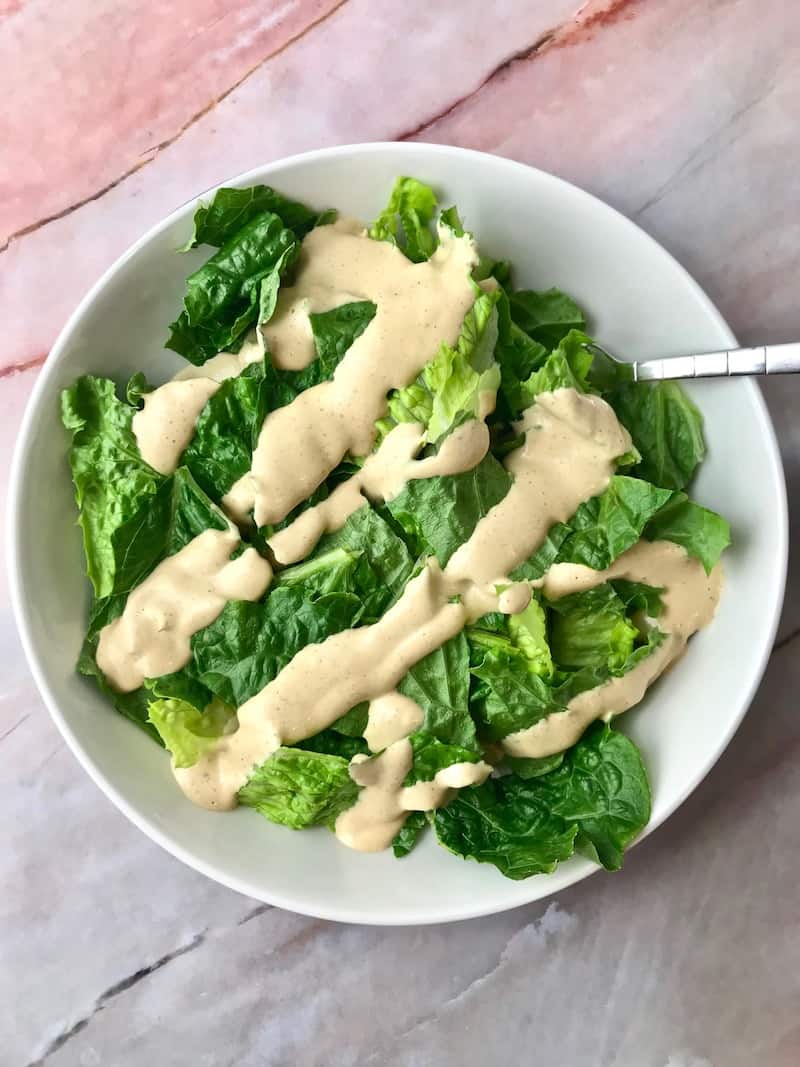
24,444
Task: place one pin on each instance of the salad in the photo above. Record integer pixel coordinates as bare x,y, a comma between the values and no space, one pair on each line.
392,551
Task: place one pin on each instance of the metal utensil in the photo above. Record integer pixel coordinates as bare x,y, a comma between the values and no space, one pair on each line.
764,359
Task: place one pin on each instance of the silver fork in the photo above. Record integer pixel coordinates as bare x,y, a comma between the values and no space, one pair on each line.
764,359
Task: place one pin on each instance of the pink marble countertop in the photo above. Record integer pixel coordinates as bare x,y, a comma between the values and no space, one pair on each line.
681,113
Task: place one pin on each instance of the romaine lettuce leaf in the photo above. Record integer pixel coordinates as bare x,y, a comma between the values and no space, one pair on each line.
528,632
439,683
439,514
591,629
229,425
408,835
600,530
227,428
249,643
597,800
188,731
507,823
384,563
450,388
237,285
112,482
231,209
602,786
666,428
298,789
703,533
567,367
406,219
546,317
164,524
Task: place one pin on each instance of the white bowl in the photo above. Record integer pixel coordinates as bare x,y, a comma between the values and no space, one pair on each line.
641,303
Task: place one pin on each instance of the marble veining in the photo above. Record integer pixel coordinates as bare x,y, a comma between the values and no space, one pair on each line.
682,113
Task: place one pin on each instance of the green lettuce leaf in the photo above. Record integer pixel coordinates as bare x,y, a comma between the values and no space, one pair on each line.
224,297
450,388
231,209
384,563
229,425
600,530
439,683
166,522
528,632
409,834
249,643
533,767
567,367
439,514
602,786
609,524
667,430
113,484
597,800
591,629
187,731
406,220
703,533
546,317
331,743
519,356
298,789
506,823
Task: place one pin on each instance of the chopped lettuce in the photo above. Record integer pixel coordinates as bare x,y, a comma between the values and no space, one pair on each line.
667,430
596,801
439,514
297,788
406,220
409,833
188,731
231,209
546,317
602,786
112,481
452,386
704,534
236,287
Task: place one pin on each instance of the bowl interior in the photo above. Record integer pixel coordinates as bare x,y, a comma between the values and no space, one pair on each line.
641,303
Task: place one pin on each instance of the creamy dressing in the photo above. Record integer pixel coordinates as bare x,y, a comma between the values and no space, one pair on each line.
184,594
383,476
419,305
689,601
384,802
571,442
166,424
324,681
392,716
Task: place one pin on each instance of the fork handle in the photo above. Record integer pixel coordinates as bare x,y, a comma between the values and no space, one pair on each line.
765,359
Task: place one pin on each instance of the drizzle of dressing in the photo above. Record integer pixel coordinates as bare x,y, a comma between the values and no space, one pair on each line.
689,601
419,305
166,424
382,478
323,681
384,802
392,716
184,594
571,441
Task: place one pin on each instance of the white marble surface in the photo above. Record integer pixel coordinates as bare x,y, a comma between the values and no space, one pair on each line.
683,113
